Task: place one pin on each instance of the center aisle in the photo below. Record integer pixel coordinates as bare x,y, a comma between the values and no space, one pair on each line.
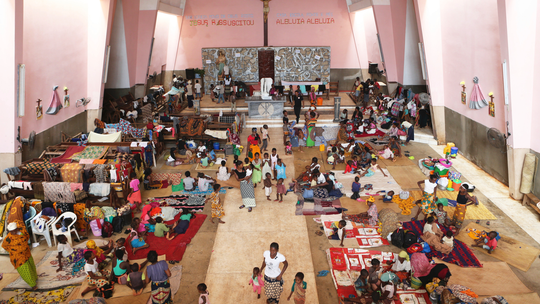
241,241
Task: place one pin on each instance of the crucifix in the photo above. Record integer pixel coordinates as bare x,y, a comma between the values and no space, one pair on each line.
266,10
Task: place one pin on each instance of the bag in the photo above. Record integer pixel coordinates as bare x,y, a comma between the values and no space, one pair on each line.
118,224
409,239
404,195
106,291
229,150
96,225
398,237
415,282
80,195
425,247
107,229
308,193
415,248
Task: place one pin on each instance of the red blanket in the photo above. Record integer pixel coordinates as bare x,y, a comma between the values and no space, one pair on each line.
63,159
173,249
378,133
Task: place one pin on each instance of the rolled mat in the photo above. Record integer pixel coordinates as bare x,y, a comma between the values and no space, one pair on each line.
529,170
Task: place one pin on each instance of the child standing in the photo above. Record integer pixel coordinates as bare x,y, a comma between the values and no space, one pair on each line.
268,186
257,281
217,205
356,188
442,216
223,172
136,280
280,190
280,170
298,289
197,89
266,168
288,148
339,231
232,99
265,137
273,160
203,294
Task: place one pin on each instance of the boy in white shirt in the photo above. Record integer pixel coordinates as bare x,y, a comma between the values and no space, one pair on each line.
197,89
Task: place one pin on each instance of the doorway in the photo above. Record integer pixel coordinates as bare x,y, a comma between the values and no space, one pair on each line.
266,64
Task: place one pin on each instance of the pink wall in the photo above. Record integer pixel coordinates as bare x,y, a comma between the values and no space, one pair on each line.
535,111
147,21
337,34
161,42
55,44
383,19
365,36
471,47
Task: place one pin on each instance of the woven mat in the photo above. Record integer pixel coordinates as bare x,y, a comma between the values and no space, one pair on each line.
407,176
509,250
378,181
479,212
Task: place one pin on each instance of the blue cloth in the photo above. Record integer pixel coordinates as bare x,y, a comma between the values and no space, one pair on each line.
150,227
182,227
137,243
212,154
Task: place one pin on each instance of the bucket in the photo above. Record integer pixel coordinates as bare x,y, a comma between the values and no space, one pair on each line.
456,184
216,145
322,148
319,101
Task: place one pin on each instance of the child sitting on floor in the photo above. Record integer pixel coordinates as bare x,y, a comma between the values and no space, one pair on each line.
136,280
201,149
356,186
339,158
151,225
350,168
223,172
489,242
181,226
339,231
388,197
189,182
386,153
268,185
95,277
203,181
257,281
161,227
65,251
138,241
372,168
205,160
442,216
448,239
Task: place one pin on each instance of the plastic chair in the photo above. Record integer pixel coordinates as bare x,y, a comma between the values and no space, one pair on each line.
56,232
46,231
32,211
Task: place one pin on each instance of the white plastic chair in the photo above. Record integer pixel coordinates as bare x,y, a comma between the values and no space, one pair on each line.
46,231
32,211
56,232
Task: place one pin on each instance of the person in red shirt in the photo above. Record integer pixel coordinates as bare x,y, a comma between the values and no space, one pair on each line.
253,142
489,243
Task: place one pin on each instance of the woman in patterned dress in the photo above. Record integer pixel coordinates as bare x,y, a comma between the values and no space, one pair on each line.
217,205
16,243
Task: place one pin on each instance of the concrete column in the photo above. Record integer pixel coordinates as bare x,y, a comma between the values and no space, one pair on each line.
519,28
11,34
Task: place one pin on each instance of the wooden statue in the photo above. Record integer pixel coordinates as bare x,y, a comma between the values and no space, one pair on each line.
39,109
266,9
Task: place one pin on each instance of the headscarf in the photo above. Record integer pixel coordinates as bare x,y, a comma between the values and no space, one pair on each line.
91,244
12,226
404,255
370,199
420,264
99,124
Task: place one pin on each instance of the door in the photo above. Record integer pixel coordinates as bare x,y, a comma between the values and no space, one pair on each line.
266,64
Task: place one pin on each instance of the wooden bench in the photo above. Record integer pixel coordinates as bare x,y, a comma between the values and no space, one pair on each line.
531,200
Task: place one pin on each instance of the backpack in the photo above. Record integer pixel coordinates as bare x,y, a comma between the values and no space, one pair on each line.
106,229
106,291
416,247
409,239
398,237
118,224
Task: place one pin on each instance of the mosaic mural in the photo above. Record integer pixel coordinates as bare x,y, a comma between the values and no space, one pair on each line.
291,64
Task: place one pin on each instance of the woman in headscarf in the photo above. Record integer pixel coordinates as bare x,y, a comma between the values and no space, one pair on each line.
16,243
254,140
463,200
99,252
401,265
425,271
246,186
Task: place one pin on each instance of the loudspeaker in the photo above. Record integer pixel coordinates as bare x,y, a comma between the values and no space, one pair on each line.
190,73
373,68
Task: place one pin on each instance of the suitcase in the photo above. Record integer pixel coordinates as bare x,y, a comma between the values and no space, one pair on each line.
229,150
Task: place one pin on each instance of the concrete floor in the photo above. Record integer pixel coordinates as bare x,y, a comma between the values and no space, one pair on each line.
223,255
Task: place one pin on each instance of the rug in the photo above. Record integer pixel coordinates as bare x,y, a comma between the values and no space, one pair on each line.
48,278
479,212
65,158
378,181
509,250
44,297
174,249
362,236
197,192
531,297
172,178
377,133
90,152
406,176
462,255
214,167
193,203
494,278
182,167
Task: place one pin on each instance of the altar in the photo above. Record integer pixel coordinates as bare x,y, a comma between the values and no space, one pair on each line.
265,108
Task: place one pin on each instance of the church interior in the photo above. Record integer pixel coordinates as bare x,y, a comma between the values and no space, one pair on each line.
350,151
